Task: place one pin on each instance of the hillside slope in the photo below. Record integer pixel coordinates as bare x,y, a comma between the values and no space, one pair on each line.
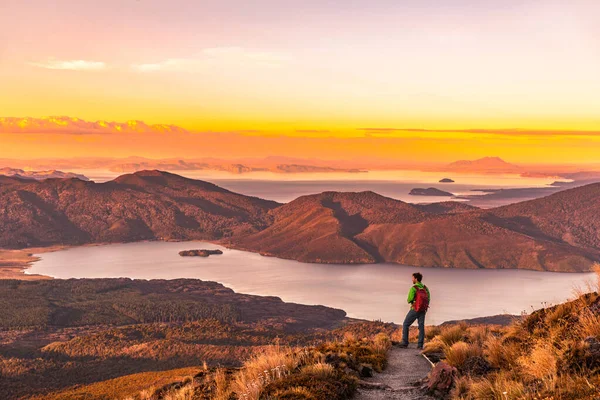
560,232
142,206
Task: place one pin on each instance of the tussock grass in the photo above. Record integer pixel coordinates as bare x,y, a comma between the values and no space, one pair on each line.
497,387
261,369
319,369
460,352
501,354
452,334
549,354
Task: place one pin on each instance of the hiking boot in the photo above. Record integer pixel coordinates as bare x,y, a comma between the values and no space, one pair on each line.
419,347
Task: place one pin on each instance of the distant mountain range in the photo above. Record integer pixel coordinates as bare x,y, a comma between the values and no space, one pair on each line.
39,175
560,232
484,165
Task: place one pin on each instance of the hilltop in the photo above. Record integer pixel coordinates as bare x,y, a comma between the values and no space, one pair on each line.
147,205
557,233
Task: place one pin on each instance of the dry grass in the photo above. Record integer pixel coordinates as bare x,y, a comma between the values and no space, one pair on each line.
257,372
596,269
452,334
222,389
436,345
501,354
319,369
498,387
478,334
382,343
460,352
541,364
183,393
589,324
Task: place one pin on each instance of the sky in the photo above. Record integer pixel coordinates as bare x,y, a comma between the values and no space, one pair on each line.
411,79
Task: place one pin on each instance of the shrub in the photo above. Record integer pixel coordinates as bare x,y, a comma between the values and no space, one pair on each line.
319,369
541,364
460,352
501,354
452,334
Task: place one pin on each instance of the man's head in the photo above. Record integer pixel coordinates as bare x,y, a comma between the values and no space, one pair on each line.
417,277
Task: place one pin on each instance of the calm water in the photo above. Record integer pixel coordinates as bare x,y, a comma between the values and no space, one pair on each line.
395,184
363,291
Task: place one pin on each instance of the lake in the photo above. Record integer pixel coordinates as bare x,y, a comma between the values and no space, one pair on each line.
374,291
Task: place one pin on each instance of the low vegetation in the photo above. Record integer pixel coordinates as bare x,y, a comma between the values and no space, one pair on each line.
554,353
63,336
328,371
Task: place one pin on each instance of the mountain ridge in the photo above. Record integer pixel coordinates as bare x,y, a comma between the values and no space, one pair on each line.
557,233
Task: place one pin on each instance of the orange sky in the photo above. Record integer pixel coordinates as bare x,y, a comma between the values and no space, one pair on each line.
284,78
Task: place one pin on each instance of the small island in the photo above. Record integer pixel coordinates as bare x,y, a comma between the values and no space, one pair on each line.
199,253
446,180
429,192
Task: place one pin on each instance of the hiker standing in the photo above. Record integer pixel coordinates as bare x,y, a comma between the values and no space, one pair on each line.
418,298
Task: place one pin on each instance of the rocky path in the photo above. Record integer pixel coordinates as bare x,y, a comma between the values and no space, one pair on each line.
400,380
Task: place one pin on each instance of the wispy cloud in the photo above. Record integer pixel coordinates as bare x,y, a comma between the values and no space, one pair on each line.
76,126
312,131
507,132
71,65
218,57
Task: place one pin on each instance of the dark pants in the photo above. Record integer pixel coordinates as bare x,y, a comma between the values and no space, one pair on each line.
411,317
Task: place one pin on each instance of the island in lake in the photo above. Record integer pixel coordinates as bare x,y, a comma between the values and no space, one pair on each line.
429,192
446,180
199,253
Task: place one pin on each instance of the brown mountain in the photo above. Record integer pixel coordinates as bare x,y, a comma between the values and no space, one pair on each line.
323,227
557,233
560,232
142,206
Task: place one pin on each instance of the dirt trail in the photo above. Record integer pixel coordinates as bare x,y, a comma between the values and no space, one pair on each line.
405,368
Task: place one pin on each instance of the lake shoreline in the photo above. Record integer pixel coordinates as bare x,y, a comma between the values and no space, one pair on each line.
366,291
14,263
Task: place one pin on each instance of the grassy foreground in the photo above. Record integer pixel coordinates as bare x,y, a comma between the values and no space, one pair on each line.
554,353
328,370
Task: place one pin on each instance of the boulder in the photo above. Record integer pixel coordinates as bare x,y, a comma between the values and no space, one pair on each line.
441,379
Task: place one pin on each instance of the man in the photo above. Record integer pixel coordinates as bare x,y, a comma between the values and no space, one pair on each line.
418,298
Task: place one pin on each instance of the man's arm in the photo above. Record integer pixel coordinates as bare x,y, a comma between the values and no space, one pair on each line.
411,294
428,293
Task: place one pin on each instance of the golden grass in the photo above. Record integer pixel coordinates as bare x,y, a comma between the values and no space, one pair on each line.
541,364
589,324
261,369
382,343
434,346
452,334
478,334
183,393
319,369
123,387
499,387
460,352
501,354
596,269
222,389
